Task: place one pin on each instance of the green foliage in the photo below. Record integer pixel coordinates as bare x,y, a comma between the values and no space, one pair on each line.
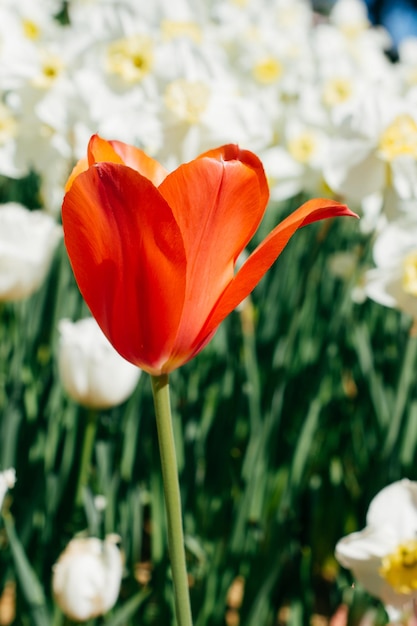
301,408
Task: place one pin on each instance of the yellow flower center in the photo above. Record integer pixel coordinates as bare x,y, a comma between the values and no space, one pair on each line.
400,138
31,30
325,189
130,58
171,30
51,68
399,569
303,147
187,99
409,281
352,31
267,71
8,125
336,91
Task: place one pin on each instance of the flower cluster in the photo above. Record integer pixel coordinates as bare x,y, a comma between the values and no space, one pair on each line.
318,101
321,104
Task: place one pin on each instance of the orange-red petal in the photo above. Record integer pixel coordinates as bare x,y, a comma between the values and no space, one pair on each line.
98,150
266,254
128,258
232,152
218,205
101,151
140,161
78,168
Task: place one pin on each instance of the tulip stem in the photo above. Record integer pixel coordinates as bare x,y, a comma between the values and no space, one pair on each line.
86,454
160,389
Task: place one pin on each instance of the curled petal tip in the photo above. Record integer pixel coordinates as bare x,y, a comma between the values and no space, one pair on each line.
343,210
322,208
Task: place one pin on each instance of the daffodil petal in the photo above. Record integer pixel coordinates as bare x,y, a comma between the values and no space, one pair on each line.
396,505
362,553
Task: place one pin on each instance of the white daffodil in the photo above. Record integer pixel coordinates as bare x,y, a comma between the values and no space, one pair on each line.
375,147
87,576
9,131
97,17
393,282
407,66
91,371
383,556
26,35
112,113
199,114
297,164
27,243
283,172
175,78
360,42
7,481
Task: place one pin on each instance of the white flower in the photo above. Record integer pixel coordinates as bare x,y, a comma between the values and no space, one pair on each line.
7,481
393,282
375,147
363,44
350,16
27,243
383,556
112,113
87,576
343,264
91,371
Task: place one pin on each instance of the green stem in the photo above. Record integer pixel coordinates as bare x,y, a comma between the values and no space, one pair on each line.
402,393
87,453
160,389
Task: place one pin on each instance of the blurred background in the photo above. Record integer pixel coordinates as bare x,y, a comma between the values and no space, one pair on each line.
304,404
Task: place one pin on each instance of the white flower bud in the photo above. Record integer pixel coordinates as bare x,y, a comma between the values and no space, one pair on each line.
27,242
87,576
91,371
7,481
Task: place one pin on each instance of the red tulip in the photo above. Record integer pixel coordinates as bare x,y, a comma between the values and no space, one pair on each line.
154,253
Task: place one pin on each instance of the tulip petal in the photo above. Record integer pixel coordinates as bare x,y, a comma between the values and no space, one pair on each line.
266,254
78,168
128,258
218,205
232,152
101,151
141,162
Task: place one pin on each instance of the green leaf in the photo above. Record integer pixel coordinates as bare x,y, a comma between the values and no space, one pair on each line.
26,577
